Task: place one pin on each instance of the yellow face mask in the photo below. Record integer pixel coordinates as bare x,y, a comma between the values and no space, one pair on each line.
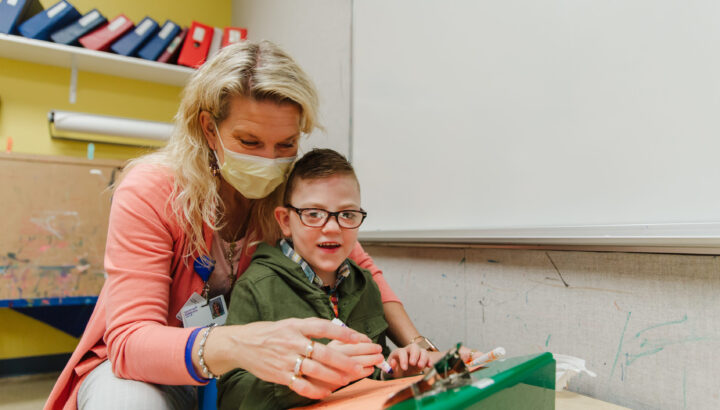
254,177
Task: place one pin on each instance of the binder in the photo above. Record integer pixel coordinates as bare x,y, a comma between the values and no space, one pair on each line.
196,46
101,38
131,42
42,24
155,47
232,35
172,51
70,34
215,43
13,12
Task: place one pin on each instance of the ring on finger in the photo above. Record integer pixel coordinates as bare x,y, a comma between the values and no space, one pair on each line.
298,364
309,349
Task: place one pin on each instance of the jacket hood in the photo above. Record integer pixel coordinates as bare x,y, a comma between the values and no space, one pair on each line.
291,272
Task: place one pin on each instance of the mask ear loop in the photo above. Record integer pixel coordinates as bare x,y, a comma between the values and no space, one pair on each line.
214,166
300,151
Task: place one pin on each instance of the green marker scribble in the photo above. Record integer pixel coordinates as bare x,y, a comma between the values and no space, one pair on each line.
656,346
622,336
630,358
673,322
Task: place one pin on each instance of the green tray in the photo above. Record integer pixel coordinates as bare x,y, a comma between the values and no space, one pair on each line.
524,382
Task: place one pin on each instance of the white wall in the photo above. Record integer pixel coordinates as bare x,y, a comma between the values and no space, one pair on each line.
647,324
316,33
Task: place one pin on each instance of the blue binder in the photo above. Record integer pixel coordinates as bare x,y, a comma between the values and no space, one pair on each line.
13,12
42,24
131,42
70,34
158,44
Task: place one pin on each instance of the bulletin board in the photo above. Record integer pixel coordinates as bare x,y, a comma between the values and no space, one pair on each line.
54,218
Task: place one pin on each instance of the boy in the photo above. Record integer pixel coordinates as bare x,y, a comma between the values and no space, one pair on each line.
308,274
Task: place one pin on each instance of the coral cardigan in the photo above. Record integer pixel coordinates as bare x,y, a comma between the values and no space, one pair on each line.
148,281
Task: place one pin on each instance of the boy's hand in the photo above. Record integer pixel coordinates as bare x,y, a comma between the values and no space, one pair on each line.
467,355
409,360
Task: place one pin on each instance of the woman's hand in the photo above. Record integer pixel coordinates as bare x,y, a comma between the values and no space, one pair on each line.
409,360
272,350
366,354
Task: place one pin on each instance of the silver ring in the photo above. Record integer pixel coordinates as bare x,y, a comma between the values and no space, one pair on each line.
298,365
309,349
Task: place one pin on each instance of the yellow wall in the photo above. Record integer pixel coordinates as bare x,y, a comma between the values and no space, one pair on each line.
28,91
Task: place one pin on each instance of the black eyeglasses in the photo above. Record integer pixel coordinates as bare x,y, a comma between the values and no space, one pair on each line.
317,218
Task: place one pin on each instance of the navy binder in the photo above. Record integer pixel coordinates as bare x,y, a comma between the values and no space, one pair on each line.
42,24
158,44
13,12
70,34
129,44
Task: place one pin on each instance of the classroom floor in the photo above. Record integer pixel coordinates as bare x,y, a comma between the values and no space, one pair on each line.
26,392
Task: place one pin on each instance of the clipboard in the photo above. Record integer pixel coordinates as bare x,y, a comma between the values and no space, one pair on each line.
515,382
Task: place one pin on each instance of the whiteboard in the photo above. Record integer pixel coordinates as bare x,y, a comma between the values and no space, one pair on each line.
541,120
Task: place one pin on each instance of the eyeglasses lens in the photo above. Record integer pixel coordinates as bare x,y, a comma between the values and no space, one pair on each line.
318,217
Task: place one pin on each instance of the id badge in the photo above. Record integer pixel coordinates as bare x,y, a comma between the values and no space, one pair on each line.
204,314
194,299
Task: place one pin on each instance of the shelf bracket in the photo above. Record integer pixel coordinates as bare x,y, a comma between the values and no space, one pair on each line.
73,79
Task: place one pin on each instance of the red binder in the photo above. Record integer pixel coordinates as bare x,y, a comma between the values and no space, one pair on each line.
196,46
233,35
102,38
169,55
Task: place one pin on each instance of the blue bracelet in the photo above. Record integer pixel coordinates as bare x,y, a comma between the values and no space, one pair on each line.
188,356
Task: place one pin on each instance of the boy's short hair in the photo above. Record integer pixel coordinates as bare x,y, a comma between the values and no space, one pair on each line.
316,164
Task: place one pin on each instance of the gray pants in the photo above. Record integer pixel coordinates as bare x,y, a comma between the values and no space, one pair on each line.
101,389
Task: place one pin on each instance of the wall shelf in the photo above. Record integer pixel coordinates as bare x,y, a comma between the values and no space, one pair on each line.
49,53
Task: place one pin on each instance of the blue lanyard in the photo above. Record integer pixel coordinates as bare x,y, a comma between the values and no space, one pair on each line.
204,267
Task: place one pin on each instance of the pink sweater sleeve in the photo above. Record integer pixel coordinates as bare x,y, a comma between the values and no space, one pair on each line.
364,260
138,257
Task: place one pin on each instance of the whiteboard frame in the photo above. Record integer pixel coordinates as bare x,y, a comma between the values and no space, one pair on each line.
702,238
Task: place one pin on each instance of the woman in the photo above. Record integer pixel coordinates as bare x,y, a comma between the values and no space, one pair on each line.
185,219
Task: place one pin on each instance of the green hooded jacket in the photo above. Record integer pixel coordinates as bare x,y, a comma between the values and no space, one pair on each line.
273,288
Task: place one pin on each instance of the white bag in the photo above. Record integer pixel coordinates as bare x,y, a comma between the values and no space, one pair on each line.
566,367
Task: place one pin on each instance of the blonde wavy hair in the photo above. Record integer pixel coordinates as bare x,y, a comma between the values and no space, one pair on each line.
258,70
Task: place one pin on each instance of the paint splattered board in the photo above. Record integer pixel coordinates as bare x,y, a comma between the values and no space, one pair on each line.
54,225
